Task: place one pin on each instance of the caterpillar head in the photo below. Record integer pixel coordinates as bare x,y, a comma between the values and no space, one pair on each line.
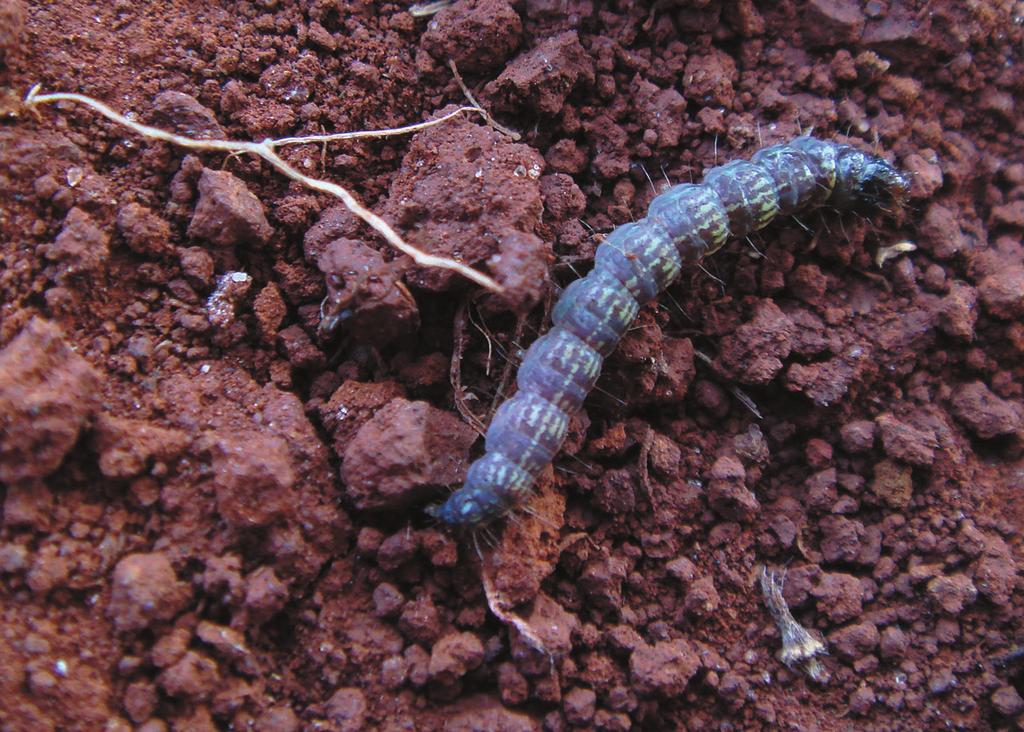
868,182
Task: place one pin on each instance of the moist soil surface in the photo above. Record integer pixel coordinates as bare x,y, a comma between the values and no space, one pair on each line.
212,503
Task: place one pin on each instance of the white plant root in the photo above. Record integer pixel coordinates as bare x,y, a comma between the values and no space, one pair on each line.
501,608
265,150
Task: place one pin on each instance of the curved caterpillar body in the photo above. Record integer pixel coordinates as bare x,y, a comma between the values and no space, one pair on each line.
634,263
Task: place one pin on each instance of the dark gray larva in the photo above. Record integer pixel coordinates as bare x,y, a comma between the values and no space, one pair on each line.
634,264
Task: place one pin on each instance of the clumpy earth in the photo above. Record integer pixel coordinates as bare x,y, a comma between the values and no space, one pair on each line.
212,507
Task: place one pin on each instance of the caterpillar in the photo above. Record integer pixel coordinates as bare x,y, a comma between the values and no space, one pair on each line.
631,266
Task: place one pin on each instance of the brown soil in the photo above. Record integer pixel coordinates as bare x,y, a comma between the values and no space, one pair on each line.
212,517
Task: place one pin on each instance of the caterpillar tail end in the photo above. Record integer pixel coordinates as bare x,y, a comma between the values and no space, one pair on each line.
464,509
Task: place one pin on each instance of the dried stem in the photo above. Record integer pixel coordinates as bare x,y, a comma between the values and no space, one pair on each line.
265,150
799,648
389,132
425,10
455,371
499,605
476,105
510,364
643,464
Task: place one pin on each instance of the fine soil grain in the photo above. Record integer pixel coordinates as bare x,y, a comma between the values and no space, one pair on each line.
212,509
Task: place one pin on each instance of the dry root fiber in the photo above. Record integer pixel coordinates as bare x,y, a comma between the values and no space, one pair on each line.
800,649
267,151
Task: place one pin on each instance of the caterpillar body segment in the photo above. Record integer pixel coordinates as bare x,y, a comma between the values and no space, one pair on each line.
796,182
528,430
597,309
748,194
618,259
631,267
694,217
561,368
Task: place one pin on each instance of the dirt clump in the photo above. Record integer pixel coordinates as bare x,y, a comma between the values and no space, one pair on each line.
144,231
145,591
398,453
47,397
478,35
12,21
664,668
465,191
253,475
985,413
128,447
831,22
541,79
227,213
365,294
212,502
755,353
80,248
184,115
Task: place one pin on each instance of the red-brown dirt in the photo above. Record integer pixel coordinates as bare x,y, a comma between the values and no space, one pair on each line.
212,515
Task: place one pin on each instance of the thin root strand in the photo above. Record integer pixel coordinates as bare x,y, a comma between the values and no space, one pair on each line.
499,606
265,150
